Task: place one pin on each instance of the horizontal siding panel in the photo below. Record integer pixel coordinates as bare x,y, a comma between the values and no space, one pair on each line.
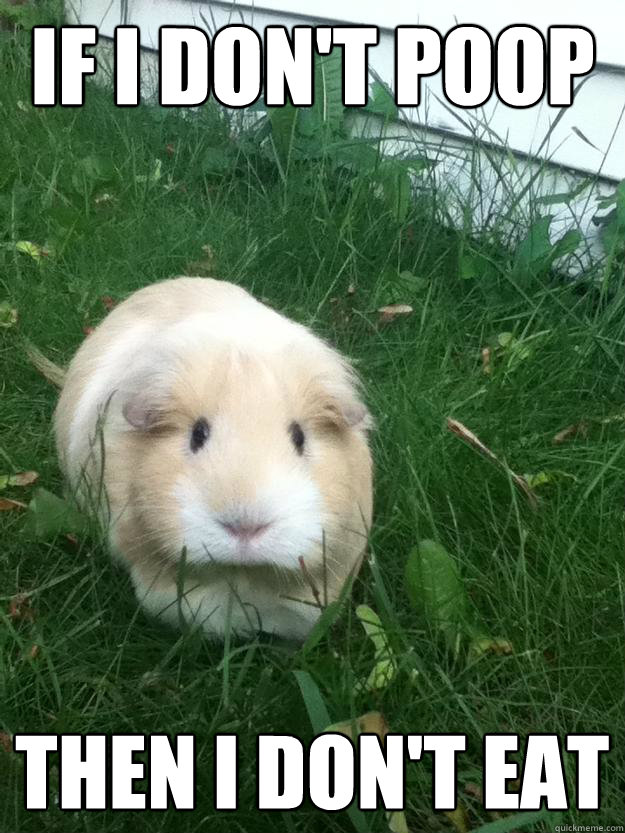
597,112
605,19
466,173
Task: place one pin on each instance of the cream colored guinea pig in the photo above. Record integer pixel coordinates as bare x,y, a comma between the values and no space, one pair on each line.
222,445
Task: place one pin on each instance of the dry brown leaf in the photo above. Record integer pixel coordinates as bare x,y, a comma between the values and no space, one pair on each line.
8,505
33,651
8,315
170,148
474,790
205,267
6,741
459,819
104,198
570,431
88,330
108,302
474,441
23,478
486,368
369,723
373,723
498,645
20,609
392,311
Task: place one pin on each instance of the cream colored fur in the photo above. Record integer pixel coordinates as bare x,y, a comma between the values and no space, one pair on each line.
188,348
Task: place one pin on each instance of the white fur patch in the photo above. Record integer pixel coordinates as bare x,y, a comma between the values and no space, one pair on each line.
248,327
290,503
244,608
104,378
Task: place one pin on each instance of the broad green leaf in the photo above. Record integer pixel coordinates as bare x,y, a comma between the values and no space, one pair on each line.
8,315
536,245
49,515
434,586
567,243
458,819
543,478
396,187
320,720
612,237
154,176
357,154
397,821
217,160
326,116
513,349
329,616
91,171
322,626
284,121
381,102
563,197
314,702
481,644
385,664
612,225
372,625
606,202
473,265
620,204
31,249
412,164
410,282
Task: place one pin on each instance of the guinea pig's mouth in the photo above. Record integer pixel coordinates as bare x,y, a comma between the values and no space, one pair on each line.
283,522
248,542
260,545
245,533
265,533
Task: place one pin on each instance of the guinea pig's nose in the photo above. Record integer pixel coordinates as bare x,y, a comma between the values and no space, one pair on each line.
244,531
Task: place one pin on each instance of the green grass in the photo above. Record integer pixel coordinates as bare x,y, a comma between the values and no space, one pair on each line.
326,250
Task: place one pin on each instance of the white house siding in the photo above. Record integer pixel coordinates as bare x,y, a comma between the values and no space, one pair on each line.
588,139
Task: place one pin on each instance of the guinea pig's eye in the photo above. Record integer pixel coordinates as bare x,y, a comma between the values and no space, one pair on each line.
297,436
199,434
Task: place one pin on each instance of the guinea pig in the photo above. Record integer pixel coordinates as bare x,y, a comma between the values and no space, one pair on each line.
225,450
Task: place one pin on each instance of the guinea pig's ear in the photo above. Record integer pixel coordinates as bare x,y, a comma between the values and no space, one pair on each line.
336,403
356,415
145,396
140,412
